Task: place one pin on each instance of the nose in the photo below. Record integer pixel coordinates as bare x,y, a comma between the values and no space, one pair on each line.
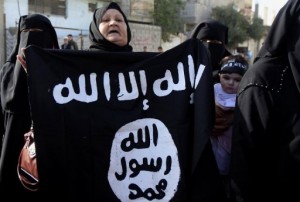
112,22
231,82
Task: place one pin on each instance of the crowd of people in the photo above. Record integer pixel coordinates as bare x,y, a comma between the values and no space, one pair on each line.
256,135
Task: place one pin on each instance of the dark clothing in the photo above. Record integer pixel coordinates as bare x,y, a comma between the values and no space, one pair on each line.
213,30
97,41
265,160
14,102
210,29
267,126
72,45
66,46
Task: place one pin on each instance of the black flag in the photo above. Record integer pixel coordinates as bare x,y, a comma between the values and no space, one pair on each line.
123,126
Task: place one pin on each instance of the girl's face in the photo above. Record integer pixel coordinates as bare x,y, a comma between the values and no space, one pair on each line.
113,27
230,82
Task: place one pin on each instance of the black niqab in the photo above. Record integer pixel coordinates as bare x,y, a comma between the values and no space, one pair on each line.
13,76
213,30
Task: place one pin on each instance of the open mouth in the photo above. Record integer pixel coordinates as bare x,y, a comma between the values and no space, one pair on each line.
113,32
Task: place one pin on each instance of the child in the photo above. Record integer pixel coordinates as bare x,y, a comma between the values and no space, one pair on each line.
231,72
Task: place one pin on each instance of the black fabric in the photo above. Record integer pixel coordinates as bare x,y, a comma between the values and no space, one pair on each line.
217,52
238,65
97,41
265,147
210,29
284,38
40,22
106,146
15,109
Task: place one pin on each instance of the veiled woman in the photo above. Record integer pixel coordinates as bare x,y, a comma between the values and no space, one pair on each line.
266,139
36,30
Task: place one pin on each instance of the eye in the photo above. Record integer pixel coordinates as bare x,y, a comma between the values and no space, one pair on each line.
225,77
105,20
237,80
32,30
211,41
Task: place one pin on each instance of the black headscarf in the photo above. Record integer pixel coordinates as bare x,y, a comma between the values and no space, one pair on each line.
15,117
265,141
13,77
34,21
97,40
213,30
283,39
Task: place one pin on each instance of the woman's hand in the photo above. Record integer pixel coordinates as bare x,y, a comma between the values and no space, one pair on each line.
21,59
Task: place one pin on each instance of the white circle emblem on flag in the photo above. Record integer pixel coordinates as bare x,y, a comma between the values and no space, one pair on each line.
144,162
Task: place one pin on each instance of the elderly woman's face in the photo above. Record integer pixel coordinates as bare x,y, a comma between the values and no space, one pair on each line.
113,27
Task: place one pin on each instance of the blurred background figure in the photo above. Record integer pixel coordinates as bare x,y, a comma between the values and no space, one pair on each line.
145,48
160,49
72,43
66,44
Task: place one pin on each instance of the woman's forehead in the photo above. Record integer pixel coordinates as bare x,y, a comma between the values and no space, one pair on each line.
111,11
